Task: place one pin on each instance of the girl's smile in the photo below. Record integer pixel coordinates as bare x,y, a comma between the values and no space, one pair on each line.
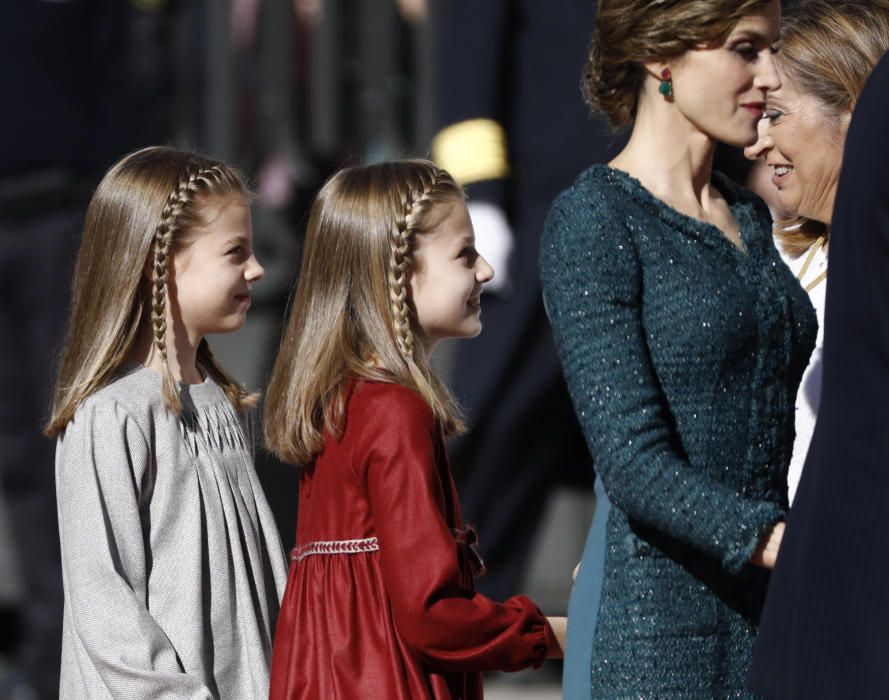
446,285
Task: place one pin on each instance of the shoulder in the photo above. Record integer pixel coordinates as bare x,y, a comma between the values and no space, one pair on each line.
136,389
597,209
126,403
104,435
589,229
598,190
388,404
385,419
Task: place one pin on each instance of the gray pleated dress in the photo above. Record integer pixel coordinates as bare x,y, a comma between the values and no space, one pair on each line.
173,568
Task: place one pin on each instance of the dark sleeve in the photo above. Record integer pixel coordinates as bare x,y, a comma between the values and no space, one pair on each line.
449,627
592,292
823,631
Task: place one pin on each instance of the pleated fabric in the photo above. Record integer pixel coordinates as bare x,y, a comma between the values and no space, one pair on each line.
172,564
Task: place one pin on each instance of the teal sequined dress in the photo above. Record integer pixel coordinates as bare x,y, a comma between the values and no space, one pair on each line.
683,355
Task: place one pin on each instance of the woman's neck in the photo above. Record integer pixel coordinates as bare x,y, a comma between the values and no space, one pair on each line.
670,156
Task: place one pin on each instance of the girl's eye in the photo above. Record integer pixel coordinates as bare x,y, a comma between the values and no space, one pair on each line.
469,254
238,254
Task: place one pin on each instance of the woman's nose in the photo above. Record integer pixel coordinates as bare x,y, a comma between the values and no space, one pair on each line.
764,142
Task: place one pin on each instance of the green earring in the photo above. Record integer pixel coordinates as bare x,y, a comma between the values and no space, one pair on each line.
666,86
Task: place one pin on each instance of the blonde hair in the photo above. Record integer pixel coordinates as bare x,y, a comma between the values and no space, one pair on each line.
828,49
352,315
140,215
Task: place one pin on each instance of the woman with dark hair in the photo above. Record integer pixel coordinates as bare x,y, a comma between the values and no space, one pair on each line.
683,339
828,49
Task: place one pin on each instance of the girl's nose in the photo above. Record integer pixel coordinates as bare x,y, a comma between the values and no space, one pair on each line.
484,273
254,271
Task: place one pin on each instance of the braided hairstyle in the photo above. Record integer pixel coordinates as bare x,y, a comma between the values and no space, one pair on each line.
199,179
352,315
143,211
417,200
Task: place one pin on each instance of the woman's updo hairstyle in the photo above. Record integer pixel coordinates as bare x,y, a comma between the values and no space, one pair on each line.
630,33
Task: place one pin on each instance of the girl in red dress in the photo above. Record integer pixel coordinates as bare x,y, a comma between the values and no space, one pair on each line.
380,601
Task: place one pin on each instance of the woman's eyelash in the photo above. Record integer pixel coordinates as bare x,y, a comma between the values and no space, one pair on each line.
772,114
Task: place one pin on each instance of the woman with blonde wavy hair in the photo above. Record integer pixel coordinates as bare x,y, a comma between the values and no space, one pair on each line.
828,49
172,564
380,602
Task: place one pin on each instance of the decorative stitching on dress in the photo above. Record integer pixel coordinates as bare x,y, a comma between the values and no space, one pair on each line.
368,544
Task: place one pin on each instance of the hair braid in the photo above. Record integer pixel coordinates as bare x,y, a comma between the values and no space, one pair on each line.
166,230
401,261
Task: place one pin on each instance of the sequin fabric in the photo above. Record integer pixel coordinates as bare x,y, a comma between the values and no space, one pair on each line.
683,354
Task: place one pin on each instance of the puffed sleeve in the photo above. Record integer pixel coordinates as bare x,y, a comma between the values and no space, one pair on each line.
449,627
592,294
101,460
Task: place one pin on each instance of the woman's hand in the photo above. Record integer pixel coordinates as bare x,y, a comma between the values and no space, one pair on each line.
767,553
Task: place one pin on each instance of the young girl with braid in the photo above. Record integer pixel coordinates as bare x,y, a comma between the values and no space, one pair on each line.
172,565
380,601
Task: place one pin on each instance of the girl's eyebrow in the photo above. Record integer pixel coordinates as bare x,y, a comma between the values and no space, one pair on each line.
240,239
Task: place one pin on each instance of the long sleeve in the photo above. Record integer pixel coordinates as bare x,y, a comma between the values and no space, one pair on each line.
101,463
449,627
593,295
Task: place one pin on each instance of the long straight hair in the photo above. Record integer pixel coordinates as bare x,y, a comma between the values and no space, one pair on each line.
144,210
352,315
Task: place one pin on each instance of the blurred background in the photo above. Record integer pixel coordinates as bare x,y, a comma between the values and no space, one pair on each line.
289,91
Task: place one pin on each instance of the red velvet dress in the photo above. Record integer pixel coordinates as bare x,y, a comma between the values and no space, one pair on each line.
380,601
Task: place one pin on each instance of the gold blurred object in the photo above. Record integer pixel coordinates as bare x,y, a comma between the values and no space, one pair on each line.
472,150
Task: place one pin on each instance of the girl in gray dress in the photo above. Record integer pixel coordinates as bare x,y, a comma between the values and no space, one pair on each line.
173,569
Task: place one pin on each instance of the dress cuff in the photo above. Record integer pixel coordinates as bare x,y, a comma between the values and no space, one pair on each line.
757,523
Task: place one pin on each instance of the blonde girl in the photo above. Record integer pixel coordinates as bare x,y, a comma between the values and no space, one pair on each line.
380,602
171,561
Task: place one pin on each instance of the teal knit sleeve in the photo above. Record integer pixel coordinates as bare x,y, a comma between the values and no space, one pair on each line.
591,279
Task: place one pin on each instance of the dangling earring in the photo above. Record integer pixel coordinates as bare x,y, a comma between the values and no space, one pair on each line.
666,86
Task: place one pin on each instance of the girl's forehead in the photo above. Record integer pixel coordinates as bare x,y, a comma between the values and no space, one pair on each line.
448,221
